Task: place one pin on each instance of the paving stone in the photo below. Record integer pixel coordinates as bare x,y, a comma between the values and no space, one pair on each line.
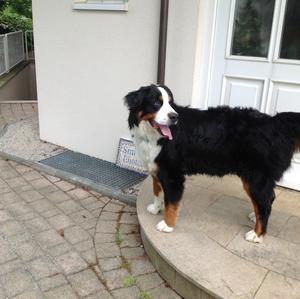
4,216
59,249
107,250
32,175
79,193
141,265
60,221
6,254
85,245
129,209
28,216
76,234
9,198
52,282
81,216
10,228
163,292
11,266
21,189
129,218
40,183
90,223
37,225
127,293
51,178
29,250
96,206
42,205
106,227
85,283
108,264
8,174
89,256
51,213
48,189
96,213
111,207
131,253
22,168
291,229
16,182
89,200
100,295
18,208
64,186
277,286
57,196
49,238
43,267
115,278
148,281
133,240
16,282
71,262
31,294
31,195
4,189
104,238
63,292
109,216
128,228
69,207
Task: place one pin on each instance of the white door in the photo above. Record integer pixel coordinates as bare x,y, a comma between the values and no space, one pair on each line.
256,60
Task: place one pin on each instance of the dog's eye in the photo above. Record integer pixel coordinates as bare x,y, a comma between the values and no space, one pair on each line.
157,104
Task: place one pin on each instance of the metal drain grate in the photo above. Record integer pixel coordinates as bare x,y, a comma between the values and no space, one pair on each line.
97,170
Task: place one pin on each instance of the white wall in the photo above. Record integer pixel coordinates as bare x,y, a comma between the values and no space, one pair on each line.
86,62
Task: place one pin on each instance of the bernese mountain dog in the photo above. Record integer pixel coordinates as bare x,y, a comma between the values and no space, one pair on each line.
173,141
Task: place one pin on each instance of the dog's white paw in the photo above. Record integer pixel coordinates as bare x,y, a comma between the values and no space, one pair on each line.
252,217
251,236
153,208
163,227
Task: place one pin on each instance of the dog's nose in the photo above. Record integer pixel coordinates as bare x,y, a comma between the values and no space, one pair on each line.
173,117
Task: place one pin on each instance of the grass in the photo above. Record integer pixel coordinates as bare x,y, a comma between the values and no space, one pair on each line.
119,238
129,281
144,295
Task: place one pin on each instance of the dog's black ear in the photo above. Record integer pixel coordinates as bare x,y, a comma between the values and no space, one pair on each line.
132,99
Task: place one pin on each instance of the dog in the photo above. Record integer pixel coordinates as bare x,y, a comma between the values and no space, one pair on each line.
174,141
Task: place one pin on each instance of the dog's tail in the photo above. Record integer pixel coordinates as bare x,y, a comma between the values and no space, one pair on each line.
289,124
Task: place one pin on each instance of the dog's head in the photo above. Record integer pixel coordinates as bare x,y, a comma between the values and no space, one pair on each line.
154,104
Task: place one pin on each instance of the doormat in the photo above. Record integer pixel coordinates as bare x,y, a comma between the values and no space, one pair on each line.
96,170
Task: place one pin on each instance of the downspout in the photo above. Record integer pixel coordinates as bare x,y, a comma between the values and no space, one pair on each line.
162,48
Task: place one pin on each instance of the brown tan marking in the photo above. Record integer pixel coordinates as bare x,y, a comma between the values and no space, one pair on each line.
149,116
258,226
156,186
171,213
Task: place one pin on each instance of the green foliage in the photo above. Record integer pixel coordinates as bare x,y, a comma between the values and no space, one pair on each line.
129,281
118,238
15,15
144,295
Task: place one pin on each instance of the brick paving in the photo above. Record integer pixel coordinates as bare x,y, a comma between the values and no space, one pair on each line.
61,241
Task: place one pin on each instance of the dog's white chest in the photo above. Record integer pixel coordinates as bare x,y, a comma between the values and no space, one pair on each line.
145,139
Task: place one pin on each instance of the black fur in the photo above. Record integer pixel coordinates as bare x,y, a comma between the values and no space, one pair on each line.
245,142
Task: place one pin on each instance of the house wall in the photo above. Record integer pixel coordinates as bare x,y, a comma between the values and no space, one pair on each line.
87,61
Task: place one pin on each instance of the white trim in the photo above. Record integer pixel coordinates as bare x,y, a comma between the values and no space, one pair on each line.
118,6
279,31
204,55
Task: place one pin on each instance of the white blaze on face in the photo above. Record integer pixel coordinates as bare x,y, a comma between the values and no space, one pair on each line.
162,116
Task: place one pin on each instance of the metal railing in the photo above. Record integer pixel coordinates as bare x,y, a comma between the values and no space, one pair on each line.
13,51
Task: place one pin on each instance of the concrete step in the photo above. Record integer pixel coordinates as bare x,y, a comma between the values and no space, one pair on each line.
206,256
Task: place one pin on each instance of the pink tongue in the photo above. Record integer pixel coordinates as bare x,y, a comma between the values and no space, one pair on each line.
166,131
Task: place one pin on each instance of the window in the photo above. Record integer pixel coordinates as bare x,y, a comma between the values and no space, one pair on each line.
121,5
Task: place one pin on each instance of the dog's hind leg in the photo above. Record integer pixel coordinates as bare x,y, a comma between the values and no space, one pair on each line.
173,189
156,206
262,196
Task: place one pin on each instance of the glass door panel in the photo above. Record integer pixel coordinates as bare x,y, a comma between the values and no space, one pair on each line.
290,41
252,27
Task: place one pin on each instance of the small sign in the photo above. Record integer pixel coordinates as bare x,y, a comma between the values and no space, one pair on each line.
127,157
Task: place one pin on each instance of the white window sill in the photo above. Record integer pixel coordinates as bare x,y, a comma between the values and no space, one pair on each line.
101,6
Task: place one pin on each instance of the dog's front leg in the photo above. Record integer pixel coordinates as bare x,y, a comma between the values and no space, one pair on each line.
156,206
173,189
